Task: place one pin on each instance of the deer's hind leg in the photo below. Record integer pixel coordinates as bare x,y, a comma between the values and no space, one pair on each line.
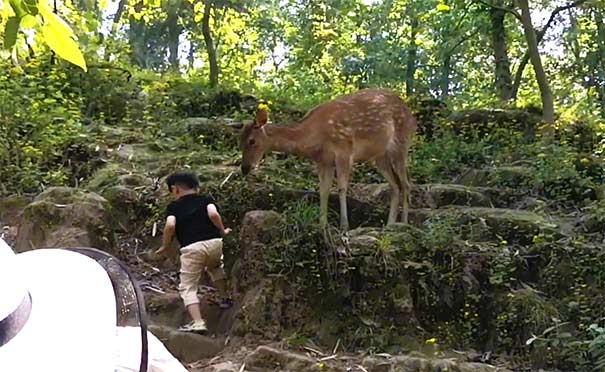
385,166
343,172
326,177
400,164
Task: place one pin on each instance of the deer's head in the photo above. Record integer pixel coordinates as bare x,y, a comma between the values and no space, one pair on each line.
253,141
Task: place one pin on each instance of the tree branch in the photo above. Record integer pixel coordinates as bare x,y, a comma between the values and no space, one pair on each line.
460,42
540,34
508,10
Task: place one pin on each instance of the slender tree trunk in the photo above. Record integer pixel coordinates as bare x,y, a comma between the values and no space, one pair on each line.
137,39
601,45
548,107
191,55
504,80
174,31
411,60
445,77
118,16
210,49
539,36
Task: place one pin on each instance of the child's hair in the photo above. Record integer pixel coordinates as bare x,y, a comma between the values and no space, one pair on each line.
183,179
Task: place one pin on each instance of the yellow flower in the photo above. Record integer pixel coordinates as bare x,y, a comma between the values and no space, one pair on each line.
431,341
585,161
263,106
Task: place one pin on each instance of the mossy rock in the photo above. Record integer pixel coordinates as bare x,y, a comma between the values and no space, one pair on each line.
425,196
214,134
114,135
136,153
484,224
11,208
473,177
512,176
67,217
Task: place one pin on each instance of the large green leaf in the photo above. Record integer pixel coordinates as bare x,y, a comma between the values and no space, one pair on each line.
10,32
62,44
29,21
55,22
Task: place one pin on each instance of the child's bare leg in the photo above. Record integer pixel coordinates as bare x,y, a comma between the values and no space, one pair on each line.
195,312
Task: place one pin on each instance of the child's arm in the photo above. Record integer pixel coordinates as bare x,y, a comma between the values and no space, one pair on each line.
216,219
169,231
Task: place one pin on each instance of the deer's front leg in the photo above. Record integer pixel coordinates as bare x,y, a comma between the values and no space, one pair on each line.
326,177
343,171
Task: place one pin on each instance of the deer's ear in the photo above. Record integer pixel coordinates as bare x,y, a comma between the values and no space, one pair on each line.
262,116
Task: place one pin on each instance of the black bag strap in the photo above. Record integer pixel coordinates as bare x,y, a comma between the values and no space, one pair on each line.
97,255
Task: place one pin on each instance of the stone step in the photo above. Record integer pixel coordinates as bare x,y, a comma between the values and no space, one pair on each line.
274,358
167,309
187,347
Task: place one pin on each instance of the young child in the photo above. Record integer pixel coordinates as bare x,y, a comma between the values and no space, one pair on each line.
199,230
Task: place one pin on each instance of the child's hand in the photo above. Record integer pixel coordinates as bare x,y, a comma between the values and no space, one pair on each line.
226,231
163,251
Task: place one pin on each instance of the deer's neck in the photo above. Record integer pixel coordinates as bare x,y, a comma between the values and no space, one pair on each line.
290,140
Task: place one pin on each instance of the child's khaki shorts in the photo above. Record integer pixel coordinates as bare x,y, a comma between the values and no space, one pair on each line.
195,258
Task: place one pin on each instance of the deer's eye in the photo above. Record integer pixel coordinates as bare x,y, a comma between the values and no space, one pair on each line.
252,142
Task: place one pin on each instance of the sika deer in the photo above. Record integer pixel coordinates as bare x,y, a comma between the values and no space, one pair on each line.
372,125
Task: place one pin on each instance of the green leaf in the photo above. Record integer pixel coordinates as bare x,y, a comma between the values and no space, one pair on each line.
55,22
30,6
10,32
29,21
17,8
62,44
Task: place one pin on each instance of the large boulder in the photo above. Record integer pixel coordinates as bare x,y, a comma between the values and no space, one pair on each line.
66,217
259,229
262,307
11,211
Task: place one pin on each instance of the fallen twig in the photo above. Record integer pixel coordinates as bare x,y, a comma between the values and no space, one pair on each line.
313,350
333,356
336,346
226,179
154,289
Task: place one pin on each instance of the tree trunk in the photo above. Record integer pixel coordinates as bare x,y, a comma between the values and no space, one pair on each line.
548,109
137,39
504,81
411,60
210,49
174,31
191,55
445,77
118,16
539,36
601,45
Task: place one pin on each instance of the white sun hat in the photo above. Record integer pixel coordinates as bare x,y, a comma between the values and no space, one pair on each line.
57,312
